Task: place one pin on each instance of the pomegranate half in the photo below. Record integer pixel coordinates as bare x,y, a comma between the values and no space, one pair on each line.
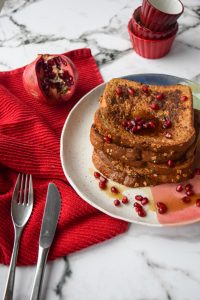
51,78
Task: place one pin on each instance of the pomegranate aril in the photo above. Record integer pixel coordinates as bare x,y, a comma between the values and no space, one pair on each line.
197,171
114,190
168,135
116,202
145,125
139,127
137,119
170,163
162,208
142,213
97,174
131,91
145,88
102,185
188,187
124,123
107,139
125,200
152,124
167,124
145,201
159,97
119,91
138,197
137,205
186,199
103,179
179,188
190,193
183,98
154,106
198,202
134,129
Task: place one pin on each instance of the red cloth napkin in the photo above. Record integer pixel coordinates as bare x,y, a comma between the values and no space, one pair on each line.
30,143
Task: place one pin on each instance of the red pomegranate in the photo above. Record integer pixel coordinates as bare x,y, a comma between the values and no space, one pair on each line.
51,78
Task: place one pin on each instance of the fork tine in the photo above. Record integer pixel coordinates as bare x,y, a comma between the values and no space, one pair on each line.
16,188
30,192
25,189
21,189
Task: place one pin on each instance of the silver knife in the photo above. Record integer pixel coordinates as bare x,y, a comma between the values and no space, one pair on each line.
47,231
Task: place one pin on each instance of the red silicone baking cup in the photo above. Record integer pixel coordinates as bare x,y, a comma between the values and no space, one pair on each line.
158,20
141,31
150,48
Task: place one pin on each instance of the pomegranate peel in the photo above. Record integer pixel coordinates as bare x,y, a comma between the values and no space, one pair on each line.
51,78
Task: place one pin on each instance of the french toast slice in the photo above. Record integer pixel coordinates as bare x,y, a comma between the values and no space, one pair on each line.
138,157
138,179
170,108
134,154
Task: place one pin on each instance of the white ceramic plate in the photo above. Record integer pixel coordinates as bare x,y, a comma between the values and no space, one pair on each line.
76,153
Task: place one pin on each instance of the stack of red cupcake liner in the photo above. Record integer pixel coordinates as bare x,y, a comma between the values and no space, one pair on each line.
153,27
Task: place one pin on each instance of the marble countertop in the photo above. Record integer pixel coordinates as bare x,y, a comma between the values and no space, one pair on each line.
144,263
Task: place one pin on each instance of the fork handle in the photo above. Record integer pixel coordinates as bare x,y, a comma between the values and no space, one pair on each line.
8,294
41,262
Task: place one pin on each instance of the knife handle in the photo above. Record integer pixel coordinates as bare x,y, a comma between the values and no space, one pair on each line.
41,262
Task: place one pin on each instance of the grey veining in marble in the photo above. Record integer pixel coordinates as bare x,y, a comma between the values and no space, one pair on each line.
145,263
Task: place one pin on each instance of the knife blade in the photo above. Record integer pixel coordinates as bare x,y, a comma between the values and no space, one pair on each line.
50,217
47,232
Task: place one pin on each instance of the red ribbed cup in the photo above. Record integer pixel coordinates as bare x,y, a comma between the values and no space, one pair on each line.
146,33
159,15
150,48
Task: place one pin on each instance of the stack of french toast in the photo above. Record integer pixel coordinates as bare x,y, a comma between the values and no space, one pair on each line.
144,134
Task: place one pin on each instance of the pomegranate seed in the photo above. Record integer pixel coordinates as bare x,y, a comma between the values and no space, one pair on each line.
103,179
137,205
138,198
170,163
179,188
102,185
162,208
145,125
137,119
119,91
116,202
131,91
152,124
197,171
190,193
168,135
107,139
145,88
198,202
125,200
142,213
124,123
141,122
188,187
97,174
159,97
167,124
186,199
134,129
139,127
133,123
183,98
154,106
114,190
145,201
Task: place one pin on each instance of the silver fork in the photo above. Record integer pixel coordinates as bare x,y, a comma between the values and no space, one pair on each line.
21,208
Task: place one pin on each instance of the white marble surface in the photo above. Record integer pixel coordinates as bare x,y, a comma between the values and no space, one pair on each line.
144,263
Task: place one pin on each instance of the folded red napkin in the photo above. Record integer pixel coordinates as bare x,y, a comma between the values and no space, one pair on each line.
30,143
